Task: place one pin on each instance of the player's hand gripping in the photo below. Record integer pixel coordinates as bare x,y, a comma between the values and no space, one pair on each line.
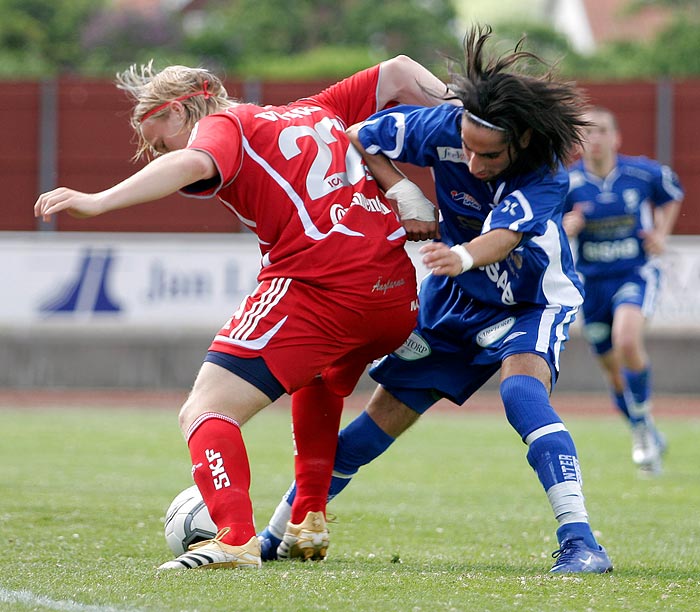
441,260
75,203
419,216
421,230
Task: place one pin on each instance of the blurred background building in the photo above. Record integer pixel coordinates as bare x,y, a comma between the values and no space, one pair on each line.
587,24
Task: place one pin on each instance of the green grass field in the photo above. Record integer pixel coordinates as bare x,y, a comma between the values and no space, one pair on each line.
451,518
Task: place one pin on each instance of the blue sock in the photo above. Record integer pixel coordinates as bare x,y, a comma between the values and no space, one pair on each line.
358,444
527,404
577,531
554,459
639,384
551,453
620,402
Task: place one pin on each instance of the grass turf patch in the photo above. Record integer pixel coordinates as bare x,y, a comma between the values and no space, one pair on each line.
451,518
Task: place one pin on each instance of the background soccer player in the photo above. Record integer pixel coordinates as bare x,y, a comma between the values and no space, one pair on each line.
621,209
336,291
503,289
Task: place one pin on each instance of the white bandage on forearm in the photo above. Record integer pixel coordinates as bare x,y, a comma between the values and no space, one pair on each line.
411,201
464,256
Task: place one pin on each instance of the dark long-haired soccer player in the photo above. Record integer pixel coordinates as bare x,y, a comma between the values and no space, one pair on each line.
503,289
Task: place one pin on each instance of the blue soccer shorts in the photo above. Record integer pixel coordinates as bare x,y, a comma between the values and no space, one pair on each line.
460,343
638,287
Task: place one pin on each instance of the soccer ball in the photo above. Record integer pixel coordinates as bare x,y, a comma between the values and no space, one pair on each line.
187,521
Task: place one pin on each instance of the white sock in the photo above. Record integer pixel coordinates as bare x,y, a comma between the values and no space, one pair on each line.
281,515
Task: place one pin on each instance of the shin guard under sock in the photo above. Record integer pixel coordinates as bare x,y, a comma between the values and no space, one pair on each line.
316,413
222,473
358,444
551,450
639,384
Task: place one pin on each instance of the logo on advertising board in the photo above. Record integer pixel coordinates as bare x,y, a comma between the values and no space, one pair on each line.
87,290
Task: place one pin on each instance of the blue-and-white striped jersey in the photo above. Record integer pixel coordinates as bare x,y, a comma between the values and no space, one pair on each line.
540,270
617,208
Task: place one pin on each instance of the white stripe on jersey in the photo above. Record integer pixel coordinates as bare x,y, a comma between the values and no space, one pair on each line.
277,290
527,210
556,285
258,343
400,123
247,222
399,233
547,326
646,215
544,331
560,335
669,185
499,193
309,228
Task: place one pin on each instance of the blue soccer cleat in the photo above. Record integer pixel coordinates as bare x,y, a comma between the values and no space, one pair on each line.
576,557
268,545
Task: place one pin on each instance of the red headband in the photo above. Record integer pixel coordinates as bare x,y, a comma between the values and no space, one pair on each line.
202,92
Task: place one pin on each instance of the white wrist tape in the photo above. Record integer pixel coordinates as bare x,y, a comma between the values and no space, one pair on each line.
411,201
464,256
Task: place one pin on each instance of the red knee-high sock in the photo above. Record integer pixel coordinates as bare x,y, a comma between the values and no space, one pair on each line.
222,474
316,418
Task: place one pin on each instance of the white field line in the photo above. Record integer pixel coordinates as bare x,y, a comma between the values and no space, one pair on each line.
33,600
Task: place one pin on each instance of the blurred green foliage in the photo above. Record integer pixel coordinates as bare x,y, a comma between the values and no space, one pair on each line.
306,39
254,39
40,37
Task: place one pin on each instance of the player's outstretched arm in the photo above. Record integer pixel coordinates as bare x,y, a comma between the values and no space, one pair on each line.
161,177
488,248
405,81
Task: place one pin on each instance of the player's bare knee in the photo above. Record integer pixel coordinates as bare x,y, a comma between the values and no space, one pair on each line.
186,416
630,351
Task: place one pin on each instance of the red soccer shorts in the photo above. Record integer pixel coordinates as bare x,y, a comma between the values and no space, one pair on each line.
302,331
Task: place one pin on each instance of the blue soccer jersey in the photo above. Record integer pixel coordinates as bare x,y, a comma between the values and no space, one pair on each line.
540,270
617,209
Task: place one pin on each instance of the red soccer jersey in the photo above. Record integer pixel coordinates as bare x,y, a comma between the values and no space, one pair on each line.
291,175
